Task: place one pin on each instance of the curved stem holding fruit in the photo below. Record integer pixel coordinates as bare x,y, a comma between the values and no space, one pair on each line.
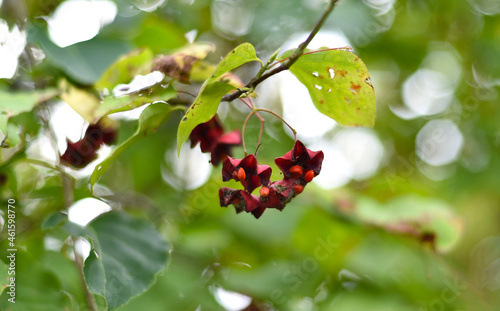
281,118
243,131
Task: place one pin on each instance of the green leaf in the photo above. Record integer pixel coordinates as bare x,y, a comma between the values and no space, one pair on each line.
81,100
12,136
150,119
112,104
126,68
202,110
4,275
13,104
339,85
40,289
16,103
128,254
54,220
159,35
242,54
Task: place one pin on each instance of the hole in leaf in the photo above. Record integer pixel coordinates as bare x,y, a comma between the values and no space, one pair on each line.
332,73
329,90
315,73
319,87
369,81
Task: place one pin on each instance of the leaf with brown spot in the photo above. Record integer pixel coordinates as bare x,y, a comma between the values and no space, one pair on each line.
345,94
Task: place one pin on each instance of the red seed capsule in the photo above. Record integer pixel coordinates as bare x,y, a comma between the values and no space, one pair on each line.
308,177
298,189
264,192
241,174
296,171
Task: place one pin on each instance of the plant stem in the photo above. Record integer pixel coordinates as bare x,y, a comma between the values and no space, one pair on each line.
262,121
251,105
243,131
286,65
312,52
79,263
67,185
39,163
281,118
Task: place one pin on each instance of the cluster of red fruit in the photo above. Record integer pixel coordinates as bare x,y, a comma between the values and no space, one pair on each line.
84,151
299,166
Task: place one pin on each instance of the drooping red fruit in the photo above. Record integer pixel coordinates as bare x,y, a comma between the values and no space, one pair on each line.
206,134
241,200
79,154
222,148
300,156
98,134
212,139
255,175
308,177
296,171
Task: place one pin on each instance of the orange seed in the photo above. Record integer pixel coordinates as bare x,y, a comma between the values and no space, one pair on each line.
296,171
309,176
298,189
264,192
241,174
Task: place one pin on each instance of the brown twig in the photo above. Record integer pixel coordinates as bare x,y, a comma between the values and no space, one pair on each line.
286,65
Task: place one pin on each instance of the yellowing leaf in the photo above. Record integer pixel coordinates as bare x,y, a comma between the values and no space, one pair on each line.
82,101
339,85
111,104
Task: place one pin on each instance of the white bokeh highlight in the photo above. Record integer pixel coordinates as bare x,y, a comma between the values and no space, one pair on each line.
138,83
299,111
75,21
381,6
430,90
12,43
353,154
85,210
231,301
232,18
362,148
439,142
188,171
148,5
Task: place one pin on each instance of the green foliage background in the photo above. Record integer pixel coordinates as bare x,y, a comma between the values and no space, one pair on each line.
396,241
